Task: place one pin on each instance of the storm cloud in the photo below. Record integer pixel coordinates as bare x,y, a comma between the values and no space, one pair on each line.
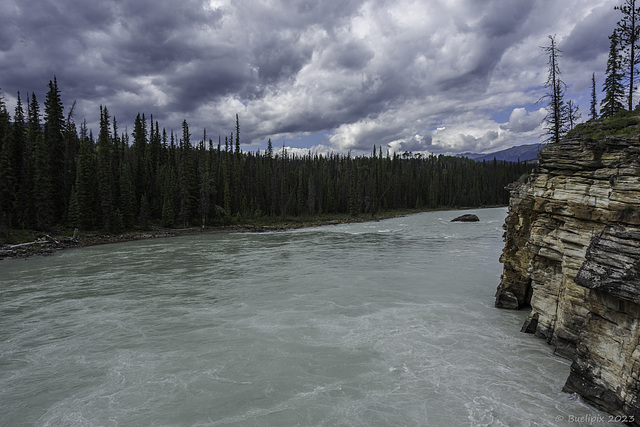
433,76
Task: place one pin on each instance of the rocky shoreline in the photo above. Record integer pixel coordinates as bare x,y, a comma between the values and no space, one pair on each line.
46,244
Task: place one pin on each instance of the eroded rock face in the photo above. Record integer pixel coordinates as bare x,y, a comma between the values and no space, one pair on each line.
572,253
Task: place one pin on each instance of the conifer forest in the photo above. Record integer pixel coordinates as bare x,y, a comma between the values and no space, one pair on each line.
55,174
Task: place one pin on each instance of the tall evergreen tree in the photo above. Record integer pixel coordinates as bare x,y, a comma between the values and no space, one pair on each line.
12,151
556,118
628,30
613,87
105,171
44,145
139,149
85,185
54,127
27,186
187,182
5,119
7,173
594,102
226,177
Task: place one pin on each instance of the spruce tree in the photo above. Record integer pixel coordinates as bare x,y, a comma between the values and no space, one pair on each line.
43,185
594,102
27,186
105,171
12,167
54,148
85,184
226,177
7,172
139,149
187,181
5,119
613,87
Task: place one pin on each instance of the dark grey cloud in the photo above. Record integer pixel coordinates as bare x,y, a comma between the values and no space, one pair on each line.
278,57
590,37
364,71
503,18
352,55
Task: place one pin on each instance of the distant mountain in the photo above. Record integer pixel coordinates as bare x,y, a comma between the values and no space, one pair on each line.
523,153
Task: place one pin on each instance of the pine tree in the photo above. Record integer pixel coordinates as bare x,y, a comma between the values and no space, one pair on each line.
7,173
105,171
43,184
85,184
628,30
12,167
269,149
612,87
556,118
27,186
237,134
153,162
204,201
55,150
226,177
139,149
5,119
187,182
594,102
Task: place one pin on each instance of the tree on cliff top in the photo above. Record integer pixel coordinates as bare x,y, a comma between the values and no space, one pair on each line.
556,118
613,87
593,111
628,33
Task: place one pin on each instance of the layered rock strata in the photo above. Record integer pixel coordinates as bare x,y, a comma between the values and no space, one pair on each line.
572,254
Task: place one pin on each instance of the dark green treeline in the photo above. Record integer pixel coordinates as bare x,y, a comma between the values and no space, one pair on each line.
53,174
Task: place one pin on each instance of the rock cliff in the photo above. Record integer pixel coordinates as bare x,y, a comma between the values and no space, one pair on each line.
572,255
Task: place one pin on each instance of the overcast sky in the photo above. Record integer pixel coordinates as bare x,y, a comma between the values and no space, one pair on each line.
435,76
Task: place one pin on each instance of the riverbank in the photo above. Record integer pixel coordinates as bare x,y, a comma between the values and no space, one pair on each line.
23,244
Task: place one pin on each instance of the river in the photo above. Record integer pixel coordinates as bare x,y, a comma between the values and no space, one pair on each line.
387,323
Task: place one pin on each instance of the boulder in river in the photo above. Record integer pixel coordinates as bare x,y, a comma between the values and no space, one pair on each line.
466,218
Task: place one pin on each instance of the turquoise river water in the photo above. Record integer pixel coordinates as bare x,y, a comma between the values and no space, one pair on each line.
387,323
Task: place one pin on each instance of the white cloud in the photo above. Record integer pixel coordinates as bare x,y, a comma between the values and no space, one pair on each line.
522,121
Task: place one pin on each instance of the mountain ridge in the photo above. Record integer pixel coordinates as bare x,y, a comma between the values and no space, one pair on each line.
522,153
